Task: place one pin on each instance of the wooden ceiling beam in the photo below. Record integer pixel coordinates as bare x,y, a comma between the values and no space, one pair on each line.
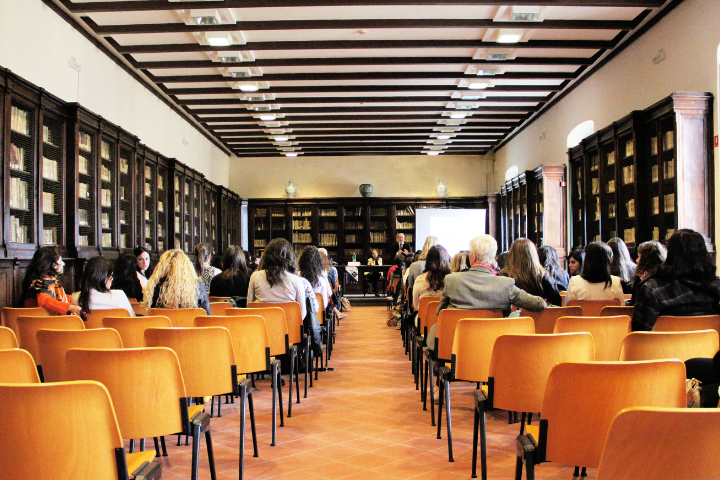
350,132
485,126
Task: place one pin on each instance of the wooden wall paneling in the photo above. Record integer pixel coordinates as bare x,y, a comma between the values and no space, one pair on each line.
4,147
7,283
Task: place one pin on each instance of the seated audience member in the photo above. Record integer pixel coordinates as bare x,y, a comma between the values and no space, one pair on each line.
331,274
418,267
373,277
400,247
575,261
143,267
524,267
275,281
501,264
127,278
622,265
549,260
685,285
251,262
233,280
651,256
480,288
595,281
95,292
41,287
432,281
459,263
311,269
707,370
203,268
174,284
395,271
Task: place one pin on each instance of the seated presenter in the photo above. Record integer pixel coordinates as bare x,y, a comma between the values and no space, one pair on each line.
373,277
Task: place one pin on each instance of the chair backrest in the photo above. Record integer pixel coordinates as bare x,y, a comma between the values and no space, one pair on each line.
9,315
448,319
179,317
423,304
680,345
667,323
545,319
430,317
17,366
293,316
277,328
8,339
145,385
132,329
218,308
321,311
217,299
592,308
581,400
139,308
58,430
615,310
205,353
249,338
608,333
473,342
679,428
29,326
521,365
54,344
94,318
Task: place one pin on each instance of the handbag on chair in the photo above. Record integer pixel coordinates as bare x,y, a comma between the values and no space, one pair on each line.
313,329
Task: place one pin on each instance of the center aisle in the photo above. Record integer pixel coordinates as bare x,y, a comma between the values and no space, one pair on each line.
364,420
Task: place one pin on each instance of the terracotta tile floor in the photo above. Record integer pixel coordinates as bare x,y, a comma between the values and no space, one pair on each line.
364,420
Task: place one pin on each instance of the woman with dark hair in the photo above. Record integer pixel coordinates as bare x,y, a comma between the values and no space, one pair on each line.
41,288
203,252
395,270
275,281
651,256
622,265
251,262
432,280
595,281
548,257
685,285
233,281
576,258
127,278
142,255
310,268
529,275
95,292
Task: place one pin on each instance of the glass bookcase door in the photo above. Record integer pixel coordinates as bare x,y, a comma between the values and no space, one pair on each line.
108,157
51,181
197,201
177,210
328,229
523,209
262,228
627,194
162,207
668,181
609,190
21,167
302,227
405,223
149,218
536,206
379,223
126,188
278,222
187,216
354,231
87,193
207,222
594,187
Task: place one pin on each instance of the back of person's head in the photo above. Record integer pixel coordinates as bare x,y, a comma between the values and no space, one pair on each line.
233,263
429,242
399,261
524,265
42,265
455,262
124,271
178,282
278,258
651,256
548,258
687,258
502,260
203,251
596,267
310,265
96,273
622,265
325,258
437,266
484,249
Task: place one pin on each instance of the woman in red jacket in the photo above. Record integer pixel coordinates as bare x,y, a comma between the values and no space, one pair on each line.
41,288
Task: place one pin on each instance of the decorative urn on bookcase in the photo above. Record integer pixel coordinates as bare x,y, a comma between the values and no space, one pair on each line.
366,189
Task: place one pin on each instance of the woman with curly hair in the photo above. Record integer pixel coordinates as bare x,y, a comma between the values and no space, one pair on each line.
95,293
174,284
275,281
529,275
310,266
41,287
432,281
127,278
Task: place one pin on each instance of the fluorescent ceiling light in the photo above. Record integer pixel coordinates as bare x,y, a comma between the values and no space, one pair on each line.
497,57
478,85
291,154
487,72
509,36
207,20
433,153
457,115
219,39
524,14
267,118
249,87
443,137
281,139
231,59
471,97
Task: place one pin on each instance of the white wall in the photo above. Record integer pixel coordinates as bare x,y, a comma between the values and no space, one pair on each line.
391,176
689,34
36,44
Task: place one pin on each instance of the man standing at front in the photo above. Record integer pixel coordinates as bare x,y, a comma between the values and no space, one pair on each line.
400,247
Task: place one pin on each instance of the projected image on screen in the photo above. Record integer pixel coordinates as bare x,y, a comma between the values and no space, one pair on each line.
455,228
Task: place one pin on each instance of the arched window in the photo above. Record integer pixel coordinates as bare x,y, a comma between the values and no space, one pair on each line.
511,172
580,132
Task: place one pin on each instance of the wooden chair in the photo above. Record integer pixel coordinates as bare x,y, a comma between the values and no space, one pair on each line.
54,344
218,308
132,329
17,366
218,299
326,325
444,338
146,388
608,333
139,308
667,323
545,320
413,332
9,315
473,341
631,453
424,325
580,402
29,326
658,345
614,311
592,308
94,318
65,430
8,339
179,317
519,369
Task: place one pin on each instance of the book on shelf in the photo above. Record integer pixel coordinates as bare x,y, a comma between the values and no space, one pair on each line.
161,230
653,145
84,241
105,197
353,211
187,227
669,233
107,239
669,203
378,237
148,189
329,226
594,163
301,224
630,208
655,205
629,235
147,215
628,174
187,246
85,142
18,232
17,158
328,240
197,230
104,150
124,167
610,186
378,211
48,200
105,220
187,189
325,212
610,158
668,140
302,237
611,210
50,170
161,245
123,218
18,194
83,166
123,240
669,169
19,121
629,148
597,209
148,232
148,172
161,206
105,174
83,217
579,215
83,190
654,176
49,236
177,224
47,138
196,212
350,239
595,183
161,183
378,226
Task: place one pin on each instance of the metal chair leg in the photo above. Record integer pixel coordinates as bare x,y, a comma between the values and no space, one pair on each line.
274,403
280,401
252,424
157,447
297,377
162,444
132,445
195,451
431,382
142,444
243,399
446,388
211,454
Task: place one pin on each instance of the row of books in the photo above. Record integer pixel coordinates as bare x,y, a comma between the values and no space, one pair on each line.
404,225
328,240
302,237
378,237
304,212
668,142
19,120
18,232
328,212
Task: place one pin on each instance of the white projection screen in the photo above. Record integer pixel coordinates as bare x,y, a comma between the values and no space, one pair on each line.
454,227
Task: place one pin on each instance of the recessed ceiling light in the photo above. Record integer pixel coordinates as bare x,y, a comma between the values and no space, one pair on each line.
267,118
478,85
248,87
457,115
487,72
218,39
433,153
443,137
291,154
471,97
281,139
524,14
209,20
509,36
497,57
463,107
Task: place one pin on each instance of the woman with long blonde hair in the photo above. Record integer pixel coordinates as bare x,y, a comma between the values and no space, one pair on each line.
174,284
418,267
525,268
